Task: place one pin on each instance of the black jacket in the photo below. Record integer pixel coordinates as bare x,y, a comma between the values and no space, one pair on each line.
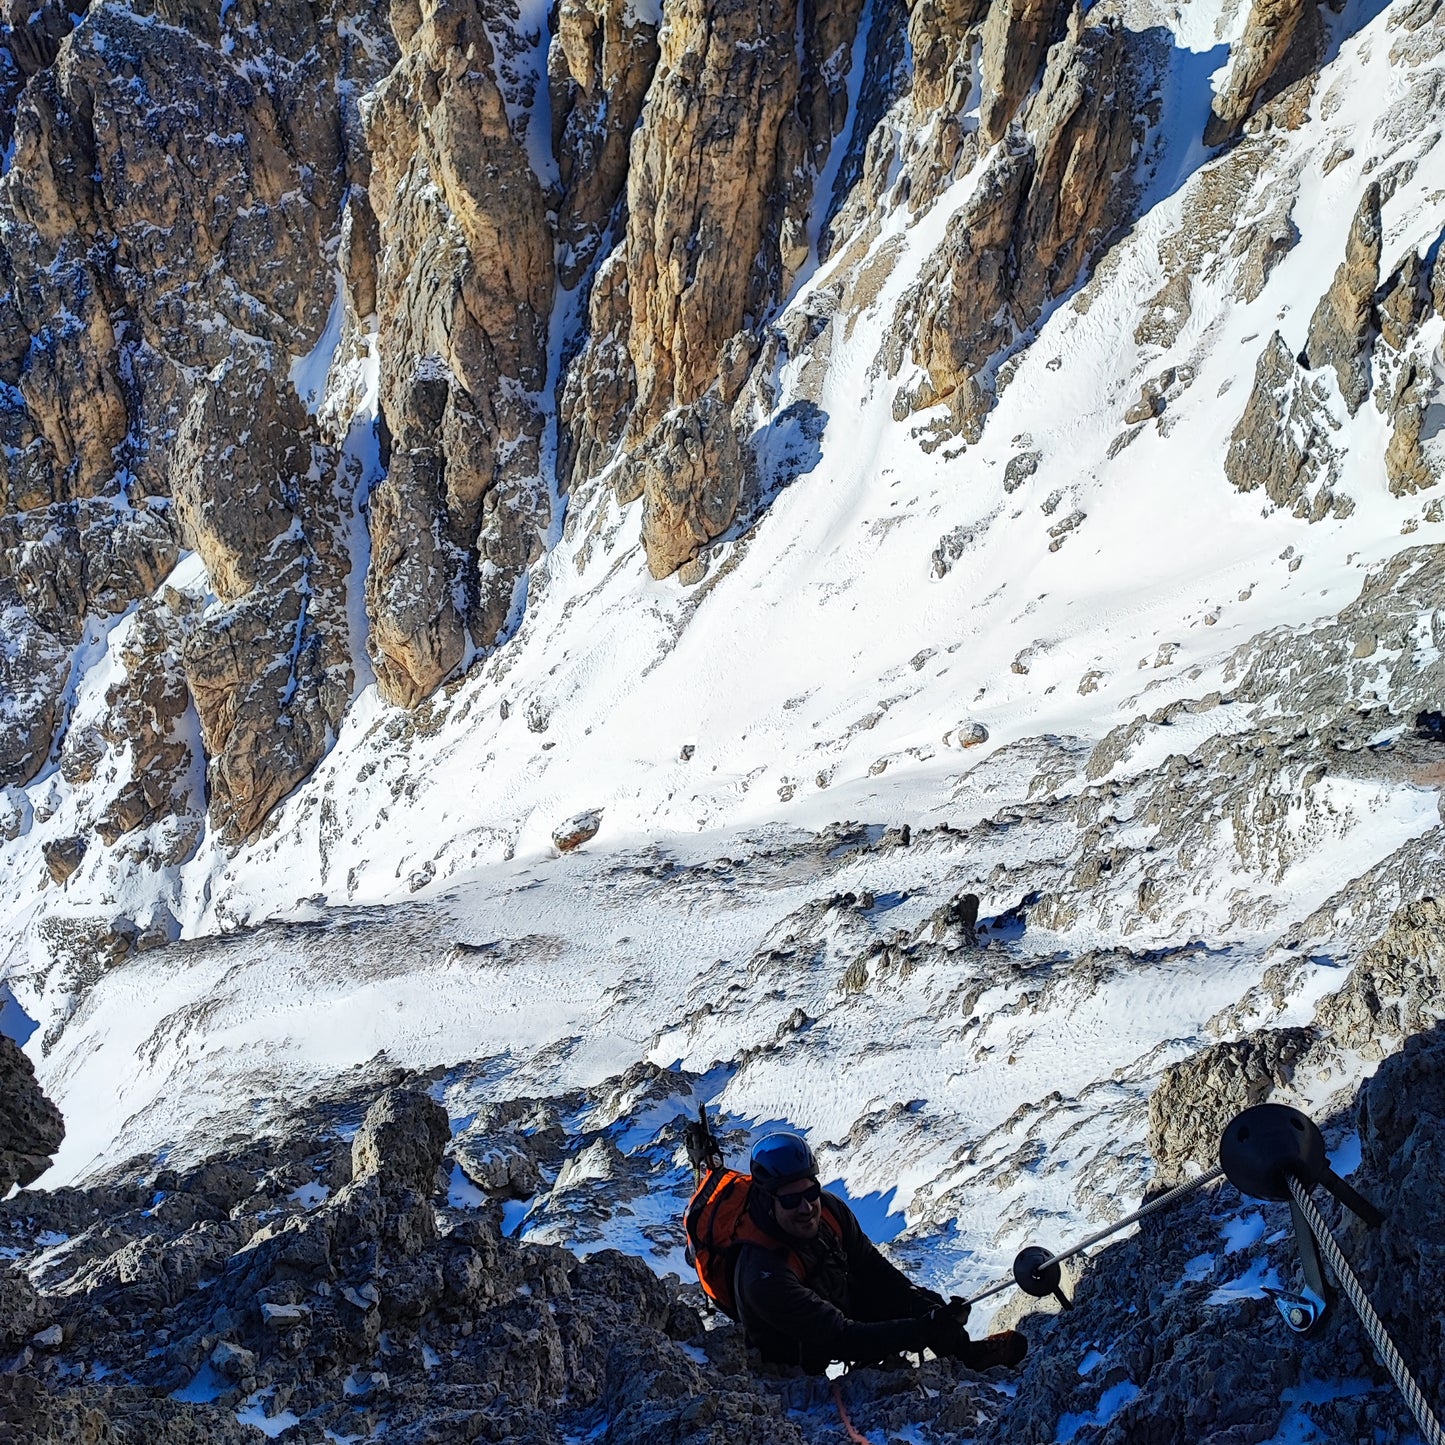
850,1304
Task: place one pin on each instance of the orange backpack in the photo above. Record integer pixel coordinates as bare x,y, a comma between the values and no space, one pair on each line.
718,1225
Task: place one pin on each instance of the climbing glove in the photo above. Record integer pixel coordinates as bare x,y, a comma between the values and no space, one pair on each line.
944,1331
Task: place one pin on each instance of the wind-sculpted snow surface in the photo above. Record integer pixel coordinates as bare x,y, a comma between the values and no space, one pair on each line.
1040,505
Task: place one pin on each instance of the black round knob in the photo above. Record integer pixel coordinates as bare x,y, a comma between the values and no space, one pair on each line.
1030,1278
1261,1148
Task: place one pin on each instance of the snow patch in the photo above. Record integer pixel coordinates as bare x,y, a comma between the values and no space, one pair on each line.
1110,1403
309,372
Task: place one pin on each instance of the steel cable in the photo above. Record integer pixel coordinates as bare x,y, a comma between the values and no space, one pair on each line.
1164,1200
1374,1326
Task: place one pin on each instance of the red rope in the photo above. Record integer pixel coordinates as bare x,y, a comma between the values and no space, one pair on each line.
852,1434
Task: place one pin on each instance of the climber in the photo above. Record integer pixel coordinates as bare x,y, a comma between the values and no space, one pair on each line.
809,1287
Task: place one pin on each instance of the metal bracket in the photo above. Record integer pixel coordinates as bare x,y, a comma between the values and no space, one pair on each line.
1303,1313
1265,1149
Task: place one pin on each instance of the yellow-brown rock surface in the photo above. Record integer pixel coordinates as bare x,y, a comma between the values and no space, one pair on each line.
1342,327
1050,195
172,198
701,208
600,64
942,33
269,664
1280,46
738,121
464,287
1016,35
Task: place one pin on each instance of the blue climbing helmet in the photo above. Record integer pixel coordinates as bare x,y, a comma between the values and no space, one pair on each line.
779,1159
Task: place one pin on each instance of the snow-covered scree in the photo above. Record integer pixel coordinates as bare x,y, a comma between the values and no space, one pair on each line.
1186,745
343,1277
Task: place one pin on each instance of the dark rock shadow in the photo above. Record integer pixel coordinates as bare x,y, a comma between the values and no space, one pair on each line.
789,447
786,447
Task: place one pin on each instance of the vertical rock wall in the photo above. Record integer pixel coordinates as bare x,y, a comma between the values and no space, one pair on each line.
464,288
169,217
599,67
1051,192
744,107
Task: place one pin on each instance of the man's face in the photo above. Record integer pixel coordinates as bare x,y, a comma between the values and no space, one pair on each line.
797,1209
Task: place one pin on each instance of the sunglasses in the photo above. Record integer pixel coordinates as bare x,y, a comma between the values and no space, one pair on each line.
797,1198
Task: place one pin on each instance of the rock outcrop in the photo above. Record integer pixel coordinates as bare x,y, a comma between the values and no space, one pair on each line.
19,1315
1410,385
601,61
973,275
146,724
1396,990
1196,1099
1051,193
1284,441
31,1128
693,474
147,297
1415,455
465,282
718,201
269,665
401,1142
941,34
1280,48
1016,35
1400,1118
1342,329
708,193
34,666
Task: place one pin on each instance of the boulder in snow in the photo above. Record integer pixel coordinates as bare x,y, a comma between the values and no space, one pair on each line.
576,831
232,1361
497,1166
63,856
966,735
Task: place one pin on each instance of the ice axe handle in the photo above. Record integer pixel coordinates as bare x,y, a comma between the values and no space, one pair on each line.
703,1151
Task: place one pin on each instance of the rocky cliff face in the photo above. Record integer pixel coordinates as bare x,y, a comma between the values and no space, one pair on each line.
153,307
527,253
464,277
738,124
391,192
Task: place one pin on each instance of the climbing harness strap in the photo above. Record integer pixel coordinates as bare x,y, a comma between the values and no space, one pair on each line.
1374,1326
1043,1267
848,1429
